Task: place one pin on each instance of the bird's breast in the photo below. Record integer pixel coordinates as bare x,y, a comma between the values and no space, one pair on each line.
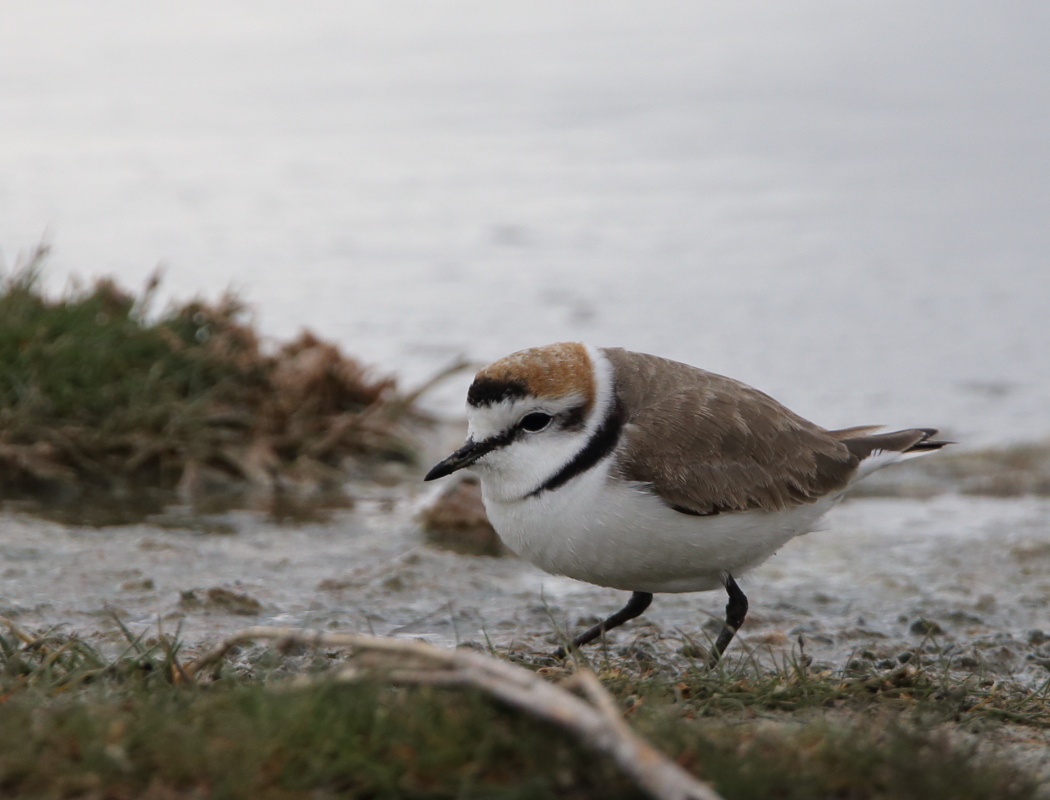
615,533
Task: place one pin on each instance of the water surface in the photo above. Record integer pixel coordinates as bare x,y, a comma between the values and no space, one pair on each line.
844,205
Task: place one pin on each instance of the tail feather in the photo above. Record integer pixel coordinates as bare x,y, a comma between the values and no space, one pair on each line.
928,443
912,440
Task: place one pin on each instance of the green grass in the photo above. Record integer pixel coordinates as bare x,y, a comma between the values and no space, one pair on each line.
244,741
935,691
91,358
871,758
76,723
99,394
938,684
371,741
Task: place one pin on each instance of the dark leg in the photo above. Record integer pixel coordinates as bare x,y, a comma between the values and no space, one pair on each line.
736,610
635,606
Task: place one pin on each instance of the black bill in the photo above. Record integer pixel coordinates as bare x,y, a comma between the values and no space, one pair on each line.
464,457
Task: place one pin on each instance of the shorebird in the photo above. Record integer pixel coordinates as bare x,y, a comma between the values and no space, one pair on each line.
635,472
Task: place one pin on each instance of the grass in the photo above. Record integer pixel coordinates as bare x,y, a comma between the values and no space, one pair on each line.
99,394
76,723
243,741
935,691
75,360
371,741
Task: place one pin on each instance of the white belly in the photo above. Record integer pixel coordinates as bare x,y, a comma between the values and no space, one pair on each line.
621,535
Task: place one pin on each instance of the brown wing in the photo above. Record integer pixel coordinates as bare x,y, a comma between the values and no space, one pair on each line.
713,444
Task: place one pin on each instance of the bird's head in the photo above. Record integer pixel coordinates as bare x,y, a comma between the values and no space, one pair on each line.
528,415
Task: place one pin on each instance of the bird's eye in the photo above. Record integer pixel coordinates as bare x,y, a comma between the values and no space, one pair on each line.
536,421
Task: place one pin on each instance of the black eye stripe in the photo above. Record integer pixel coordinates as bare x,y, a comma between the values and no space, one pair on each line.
574,419
500,439
571,420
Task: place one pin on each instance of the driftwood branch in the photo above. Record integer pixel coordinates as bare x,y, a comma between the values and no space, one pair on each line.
459,364
598,723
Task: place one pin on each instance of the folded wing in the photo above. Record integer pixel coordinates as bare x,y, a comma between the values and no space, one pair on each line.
714,445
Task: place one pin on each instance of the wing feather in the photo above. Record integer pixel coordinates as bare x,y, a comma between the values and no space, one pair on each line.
713,444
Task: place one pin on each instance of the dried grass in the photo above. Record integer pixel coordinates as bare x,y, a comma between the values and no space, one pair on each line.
97,396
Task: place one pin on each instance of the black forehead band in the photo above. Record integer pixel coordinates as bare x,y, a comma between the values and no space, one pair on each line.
489,391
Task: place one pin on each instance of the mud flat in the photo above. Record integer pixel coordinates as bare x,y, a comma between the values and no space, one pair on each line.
954,576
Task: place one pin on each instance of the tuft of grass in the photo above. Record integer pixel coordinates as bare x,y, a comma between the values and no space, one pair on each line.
47,663
90,358
97,394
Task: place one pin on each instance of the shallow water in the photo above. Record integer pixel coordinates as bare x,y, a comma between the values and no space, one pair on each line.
845,206
978,567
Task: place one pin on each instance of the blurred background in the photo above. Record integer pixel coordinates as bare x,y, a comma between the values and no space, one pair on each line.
845,205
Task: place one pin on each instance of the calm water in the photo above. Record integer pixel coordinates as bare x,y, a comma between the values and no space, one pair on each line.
846,205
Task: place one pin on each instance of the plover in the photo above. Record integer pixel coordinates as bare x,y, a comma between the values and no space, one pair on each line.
635,472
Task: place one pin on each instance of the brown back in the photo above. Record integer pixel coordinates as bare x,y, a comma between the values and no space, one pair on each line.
713,444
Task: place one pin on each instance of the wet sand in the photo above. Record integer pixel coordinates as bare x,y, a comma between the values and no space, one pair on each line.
882,574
